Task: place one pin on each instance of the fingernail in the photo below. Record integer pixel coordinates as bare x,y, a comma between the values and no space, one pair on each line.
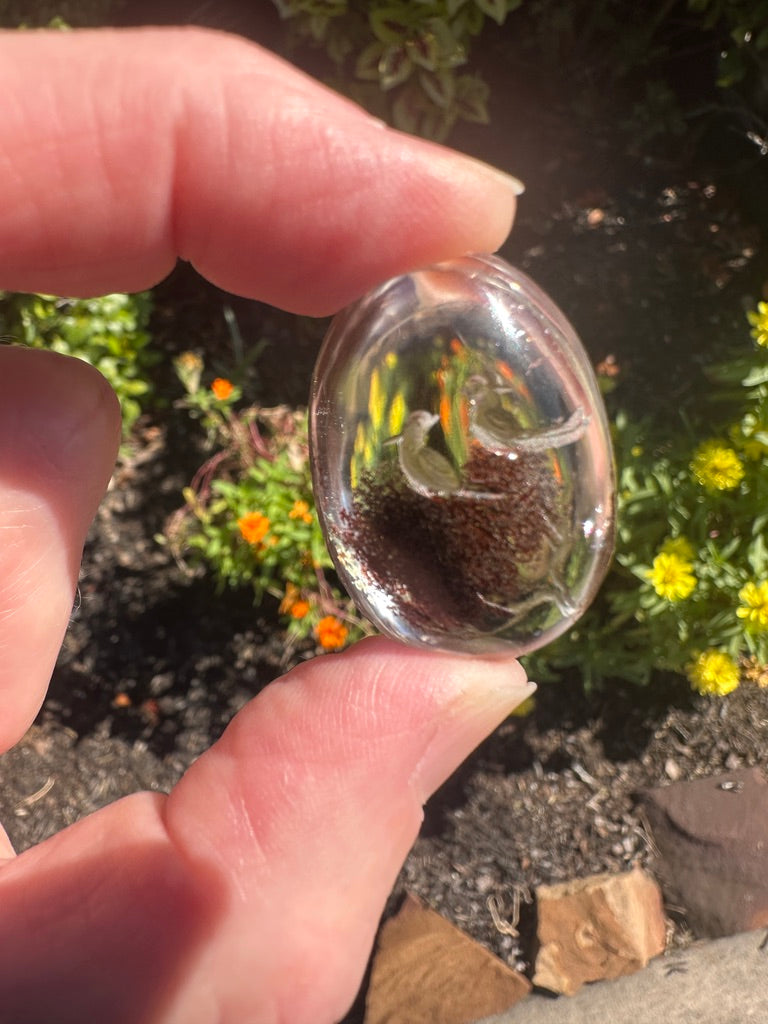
453,161
59,419
488,691
516,187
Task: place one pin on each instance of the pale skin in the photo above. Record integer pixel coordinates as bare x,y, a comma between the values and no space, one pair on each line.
251,893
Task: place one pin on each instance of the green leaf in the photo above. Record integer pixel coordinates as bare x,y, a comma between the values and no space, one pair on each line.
758,375
732,372
495,9
395,67
389,25
757,555
440,87
472,95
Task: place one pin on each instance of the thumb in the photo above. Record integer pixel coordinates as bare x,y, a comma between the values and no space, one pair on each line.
254,891
59,433
311,801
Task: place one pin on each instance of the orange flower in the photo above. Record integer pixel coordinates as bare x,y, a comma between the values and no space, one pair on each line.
291,597
331,633
222,388
299,609
445,413
253,526
301,511
505,369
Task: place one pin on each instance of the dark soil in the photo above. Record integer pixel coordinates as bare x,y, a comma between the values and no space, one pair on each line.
646,256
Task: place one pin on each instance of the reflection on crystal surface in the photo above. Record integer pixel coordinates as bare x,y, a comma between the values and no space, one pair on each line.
461,460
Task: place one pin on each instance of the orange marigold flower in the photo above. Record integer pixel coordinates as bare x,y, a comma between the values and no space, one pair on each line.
299,609
445,414
222,388
331,633
253,526
301,511
292,593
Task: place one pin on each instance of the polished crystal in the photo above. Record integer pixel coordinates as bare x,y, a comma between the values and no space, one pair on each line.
461,460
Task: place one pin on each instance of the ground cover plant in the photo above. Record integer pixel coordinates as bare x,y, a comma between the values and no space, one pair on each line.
109,332
249,515
406,61
688,591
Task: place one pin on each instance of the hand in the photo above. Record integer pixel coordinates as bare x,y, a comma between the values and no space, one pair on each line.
252,893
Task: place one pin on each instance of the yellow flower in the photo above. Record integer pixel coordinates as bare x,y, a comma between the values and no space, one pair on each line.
754,607
253,527
672,577
759,320
301,511
744,436
376,400
396,414
331,633
189,367
190,361
717,467
680,546
222,388
714,672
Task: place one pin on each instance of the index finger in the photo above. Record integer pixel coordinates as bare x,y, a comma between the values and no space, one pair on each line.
121,151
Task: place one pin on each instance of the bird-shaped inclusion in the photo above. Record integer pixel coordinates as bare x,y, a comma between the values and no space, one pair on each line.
461,460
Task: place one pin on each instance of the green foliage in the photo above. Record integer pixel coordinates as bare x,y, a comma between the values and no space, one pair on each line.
108,332
746,22
688,590
249,516
415,63
632,63
401,58
56,13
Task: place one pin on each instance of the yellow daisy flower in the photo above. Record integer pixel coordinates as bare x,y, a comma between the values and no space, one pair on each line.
714,672
759,320
717,467
754,607
672,577
679,546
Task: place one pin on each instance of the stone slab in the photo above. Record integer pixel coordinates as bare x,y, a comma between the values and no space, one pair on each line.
712,838
427,971
596,928
721,981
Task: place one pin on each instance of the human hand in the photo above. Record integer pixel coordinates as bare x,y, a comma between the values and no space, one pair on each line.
252,893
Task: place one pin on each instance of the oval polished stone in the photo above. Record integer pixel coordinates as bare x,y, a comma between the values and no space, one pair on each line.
461,460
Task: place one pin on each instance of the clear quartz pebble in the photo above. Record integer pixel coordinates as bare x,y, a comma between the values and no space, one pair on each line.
461,460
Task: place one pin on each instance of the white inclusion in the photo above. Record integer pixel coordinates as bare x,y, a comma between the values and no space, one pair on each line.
428,472
498,430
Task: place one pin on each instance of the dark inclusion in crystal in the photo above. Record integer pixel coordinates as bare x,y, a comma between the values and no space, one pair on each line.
461,460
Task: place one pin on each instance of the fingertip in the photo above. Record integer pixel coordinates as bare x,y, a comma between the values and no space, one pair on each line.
60,429
273,186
